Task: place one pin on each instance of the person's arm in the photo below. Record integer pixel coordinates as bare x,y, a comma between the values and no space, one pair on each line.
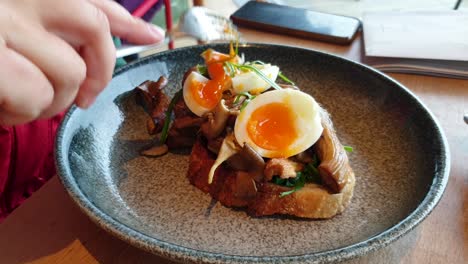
55,52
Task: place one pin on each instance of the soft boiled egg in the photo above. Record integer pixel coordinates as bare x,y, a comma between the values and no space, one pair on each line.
279,123
201,94
193,93
251,82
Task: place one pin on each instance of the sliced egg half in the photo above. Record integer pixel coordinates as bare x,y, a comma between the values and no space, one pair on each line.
279,123
198,95
252,82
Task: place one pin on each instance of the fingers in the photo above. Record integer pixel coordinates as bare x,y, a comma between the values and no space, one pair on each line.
29,95
99,54
86,27
127,27
96,49
57,60
51,58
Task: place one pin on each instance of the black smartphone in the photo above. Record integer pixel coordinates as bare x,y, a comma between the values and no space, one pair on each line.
297,22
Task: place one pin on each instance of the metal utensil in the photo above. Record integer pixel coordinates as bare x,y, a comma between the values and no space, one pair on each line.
465,117
198,22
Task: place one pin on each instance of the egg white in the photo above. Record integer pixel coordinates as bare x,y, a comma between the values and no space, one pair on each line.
252,82
190,101
307,121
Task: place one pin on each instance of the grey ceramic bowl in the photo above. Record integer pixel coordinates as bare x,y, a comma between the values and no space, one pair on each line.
400,158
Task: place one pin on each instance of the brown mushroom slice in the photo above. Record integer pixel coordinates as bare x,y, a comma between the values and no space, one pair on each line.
245,187
143,97
181,109
248,160
155,87
284,168
156,151
150,96
228,149
158,113
305,156
214,145
187,122
151,126
216,121
177,140
183,132
148,90
334,166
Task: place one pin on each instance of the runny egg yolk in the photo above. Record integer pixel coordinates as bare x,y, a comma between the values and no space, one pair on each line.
272,127
208,95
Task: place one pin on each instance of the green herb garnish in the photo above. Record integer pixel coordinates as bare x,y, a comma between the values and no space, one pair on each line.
165,129
310,173
315,161
202,69
290,192
248,98
298,182
229,69
246,102
348,148
286,79
236,49
243,94
256,62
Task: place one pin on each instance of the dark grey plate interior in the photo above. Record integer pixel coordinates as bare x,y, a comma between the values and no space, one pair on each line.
400,159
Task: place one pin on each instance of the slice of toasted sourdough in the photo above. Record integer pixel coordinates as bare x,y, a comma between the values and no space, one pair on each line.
261,198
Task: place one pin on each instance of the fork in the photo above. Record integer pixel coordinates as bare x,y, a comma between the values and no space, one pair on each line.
198,22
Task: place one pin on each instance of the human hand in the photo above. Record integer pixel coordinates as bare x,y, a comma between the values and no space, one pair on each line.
56,52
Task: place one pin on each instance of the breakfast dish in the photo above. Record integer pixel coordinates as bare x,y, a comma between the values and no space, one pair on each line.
401,161
255,143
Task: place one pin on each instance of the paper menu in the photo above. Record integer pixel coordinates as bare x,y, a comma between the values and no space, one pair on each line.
438,35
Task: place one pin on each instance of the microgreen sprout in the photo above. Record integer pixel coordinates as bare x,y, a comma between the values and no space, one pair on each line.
247,95
286,79
248,98
202,69
310,173
348,148
165,129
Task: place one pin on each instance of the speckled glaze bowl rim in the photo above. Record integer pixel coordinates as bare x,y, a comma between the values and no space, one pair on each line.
180,253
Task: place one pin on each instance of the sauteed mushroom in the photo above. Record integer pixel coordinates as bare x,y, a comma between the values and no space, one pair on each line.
334,166
284,168
304,157
248,160
155,151
216,121
214,145
183,131
228,149
151,97
245,187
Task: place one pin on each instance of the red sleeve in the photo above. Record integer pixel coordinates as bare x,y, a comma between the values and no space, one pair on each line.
26,161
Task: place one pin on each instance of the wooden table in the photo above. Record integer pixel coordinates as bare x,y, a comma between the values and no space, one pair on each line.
49,228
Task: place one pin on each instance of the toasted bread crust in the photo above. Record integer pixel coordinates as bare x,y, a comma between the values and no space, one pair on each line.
312,201
228,186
